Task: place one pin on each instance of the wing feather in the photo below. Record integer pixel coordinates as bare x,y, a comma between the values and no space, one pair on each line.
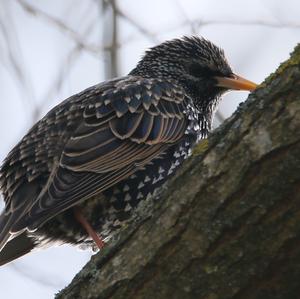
120,131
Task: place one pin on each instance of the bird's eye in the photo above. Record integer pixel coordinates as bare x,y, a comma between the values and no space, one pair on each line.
201,71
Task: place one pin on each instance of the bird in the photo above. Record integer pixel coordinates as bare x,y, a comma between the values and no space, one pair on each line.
81,171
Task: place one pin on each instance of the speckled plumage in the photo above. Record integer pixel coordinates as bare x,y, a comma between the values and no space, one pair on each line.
122,138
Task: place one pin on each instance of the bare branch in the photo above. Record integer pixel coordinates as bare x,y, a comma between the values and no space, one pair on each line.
15,64
149,35
193,28
62,73
110,37
77,38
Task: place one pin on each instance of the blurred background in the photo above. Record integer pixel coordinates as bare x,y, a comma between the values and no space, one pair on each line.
52,49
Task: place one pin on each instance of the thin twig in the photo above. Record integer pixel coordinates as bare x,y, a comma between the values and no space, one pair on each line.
63,72
15,63
149,35
77,38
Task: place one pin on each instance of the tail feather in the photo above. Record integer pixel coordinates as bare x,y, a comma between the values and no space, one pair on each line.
12,246
15,248
4,229
6,222
15,243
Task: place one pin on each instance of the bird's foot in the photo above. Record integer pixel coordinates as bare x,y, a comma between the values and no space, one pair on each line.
82,220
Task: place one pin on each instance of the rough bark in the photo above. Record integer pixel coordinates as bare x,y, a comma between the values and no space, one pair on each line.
228,225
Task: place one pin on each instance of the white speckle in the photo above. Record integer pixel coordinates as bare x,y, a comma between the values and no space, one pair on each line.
161,170
127,197
126,188
149,195
141,185
196,127
140,195
117,223
127,208
147,179
133,176
176,155
177,163
161,177
127,99
170,171
172,166
155,180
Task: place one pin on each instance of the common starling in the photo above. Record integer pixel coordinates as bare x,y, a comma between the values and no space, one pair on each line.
122,138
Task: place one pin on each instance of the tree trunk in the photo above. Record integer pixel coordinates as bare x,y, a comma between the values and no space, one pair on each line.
228,224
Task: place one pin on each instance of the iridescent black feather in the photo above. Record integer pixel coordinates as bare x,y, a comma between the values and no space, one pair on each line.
122,138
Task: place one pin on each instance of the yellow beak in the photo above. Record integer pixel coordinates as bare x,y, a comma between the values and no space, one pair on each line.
237,82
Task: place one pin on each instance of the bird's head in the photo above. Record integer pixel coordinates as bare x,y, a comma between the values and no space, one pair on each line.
197,65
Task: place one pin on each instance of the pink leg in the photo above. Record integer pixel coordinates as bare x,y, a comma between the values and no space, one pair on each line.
80,218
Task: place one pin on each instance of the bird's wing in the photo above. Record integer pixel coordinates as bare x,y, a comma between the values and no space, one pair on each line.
126,128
